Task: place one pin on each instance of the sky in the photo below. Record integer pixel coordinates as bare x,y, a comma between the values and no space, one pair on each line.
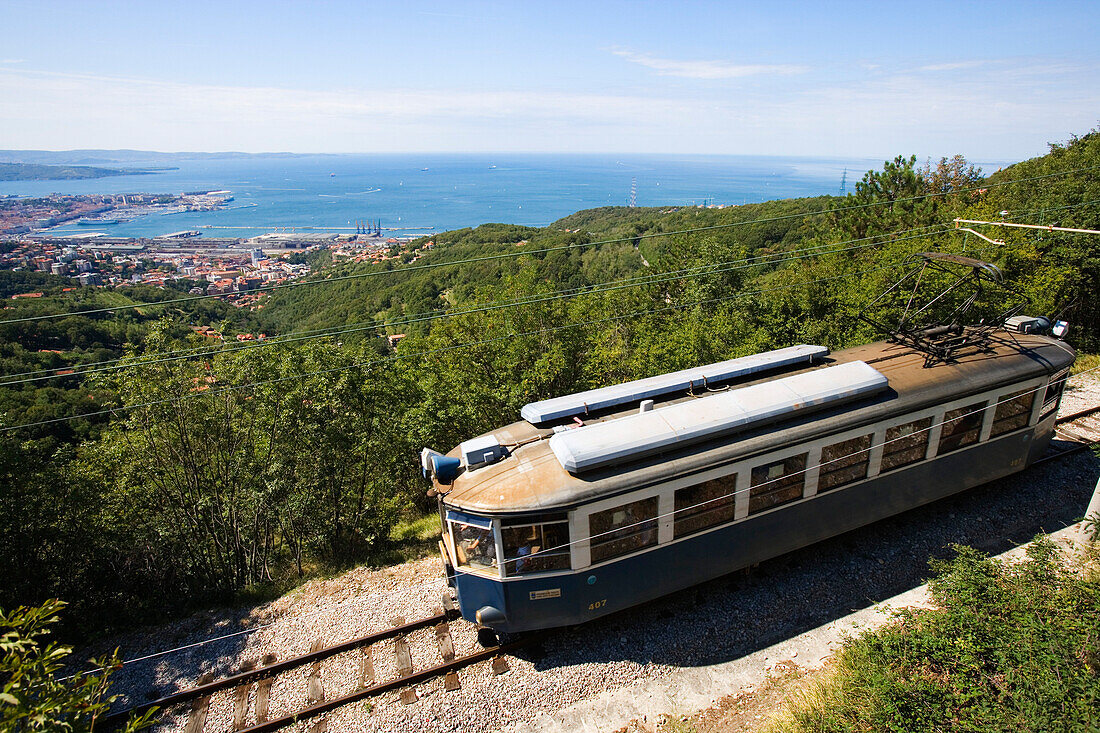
989,80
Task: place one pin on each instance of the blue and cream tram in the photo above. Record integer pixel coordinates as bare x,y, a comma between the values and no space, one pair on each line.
601,500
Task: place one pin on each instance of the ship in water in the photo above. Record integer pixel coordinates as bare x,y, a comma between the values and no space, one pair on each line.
95,222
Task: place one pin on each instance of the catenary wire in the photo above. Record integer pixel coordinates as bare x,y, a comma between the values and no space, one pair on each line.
753,261
508,255
588,539
449,348
595,289
446,349
645,521
816,250
657,277
701,504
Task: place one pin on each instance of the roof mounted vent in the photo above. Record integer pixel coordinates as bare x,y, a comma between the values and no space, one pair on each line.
668,428
699,377
478,452
1028,324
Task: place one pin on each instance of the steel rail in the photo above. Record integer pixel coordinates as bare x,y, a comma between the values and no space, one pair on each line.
1078,446
415,678
1077,415
273,669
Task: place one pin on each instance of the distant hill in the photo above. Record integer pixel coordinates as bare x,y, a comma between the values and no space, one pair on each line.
99,157
35,172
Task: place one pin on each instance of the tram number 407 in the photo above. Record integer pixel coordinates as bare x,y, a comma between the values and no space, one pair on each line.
597,604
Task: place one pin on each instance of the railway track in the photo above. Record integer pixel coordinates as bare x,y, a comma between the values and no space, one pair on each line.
1074,433
251,684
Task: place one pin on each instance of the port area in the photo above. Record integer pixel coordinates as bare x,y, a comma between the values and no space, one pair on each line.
28,215
184,259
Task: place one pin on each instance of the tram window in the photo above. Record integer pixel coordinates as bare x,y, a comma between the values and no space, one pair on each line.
844,462
1013,412
704,505
1054,392
623,529
961,427
536,548
777,483
905,444
475,546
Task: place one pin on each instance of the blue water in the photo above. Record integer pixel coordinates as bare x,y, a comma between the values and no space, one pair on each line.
416,194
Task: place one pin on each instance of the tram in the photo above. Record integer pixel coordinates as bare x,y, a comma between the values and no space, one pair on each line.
597,501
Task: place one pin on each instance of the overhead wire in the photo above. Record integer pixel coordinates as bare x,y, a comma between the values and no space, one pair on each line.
403,356
51,373
453,347
594,289
641,522
521,253
867,450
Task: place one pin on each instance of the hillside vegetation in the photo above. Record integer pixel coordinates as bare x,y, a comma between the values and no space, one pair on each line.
35,172
1009,647
226,470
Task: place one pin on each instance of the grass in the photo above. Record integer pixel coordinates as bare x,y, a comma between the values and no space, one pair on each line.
1010,647
414,529
413,538
1085,362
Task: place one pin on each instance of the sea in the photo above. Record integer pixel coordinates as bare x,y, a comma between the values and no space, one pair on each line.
417,194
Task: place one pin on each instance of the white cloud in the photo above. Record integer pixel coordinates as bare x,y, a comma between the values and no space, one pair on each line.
702,69
12,61
954,65
1001,111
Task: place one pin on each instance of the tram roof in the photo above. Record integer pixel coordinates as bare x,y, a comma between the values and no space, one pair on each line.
532,478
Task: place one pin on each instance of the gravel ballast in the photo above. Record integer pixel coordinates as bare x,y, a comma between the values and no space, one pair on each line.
719,621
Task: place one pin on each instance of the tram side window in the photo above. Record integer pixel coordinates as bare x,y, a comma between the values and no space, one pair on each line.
1054,393
777,483
905,444
1013,412
623,529
704,505
961,427
475,546
538,547
844,462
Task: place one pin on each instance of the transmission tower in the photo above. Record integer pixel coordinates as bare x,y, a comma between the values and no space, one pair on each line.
844,182
633,192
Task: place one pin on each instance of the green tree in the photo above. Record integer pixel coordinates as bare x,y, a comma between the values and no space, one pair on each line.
32,697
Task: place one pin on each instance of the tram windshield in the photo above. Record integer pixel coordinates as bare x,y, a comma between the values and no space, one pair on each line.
538,545
475,546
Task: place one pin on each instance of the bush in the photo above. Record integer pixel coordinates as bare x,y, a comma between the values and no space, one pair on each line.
1011,647
32,698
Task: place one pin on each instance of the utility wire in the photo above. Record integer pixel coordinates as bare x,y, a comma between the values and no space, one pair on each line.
508,255
51,373
590,538
595,289
753,261
641,522
446,349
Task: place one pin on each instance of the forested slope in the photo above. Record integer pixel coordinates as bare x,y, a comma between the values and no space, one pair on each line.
238,468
